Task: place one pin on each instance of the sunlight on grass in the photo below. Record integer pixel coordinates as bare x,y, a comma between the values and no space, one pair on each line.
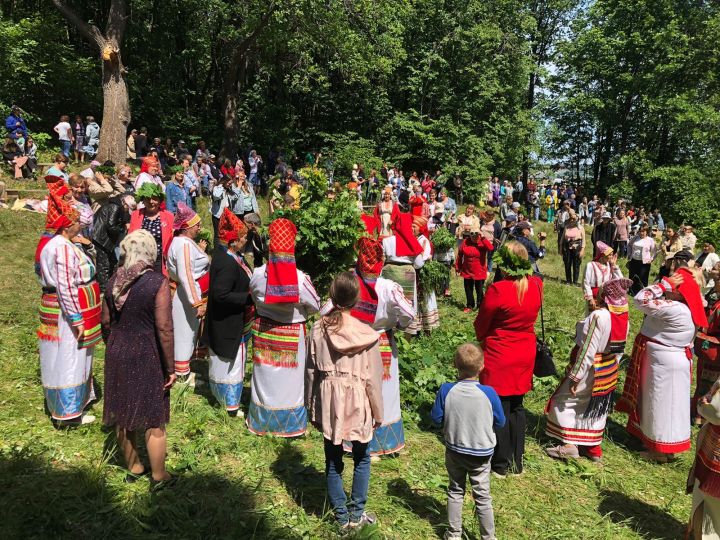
236,485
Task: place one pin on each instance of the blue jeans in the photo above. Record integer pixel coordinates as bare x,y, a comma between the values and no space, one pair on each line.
361,480
536,211
65,148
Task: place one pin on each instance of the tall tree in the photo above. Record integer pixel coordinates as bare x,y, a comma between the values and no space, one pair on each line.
116,101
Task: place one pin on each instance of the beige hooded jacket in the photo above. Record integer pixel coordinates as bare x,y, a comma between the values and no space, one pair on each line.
343,380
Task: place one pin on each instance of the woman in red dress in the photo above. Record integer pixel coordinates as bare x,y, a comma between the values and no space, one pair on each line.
472,265
505,328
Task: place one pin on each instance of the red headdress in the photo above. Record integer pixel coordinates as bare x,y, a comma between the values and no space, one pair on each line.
60,214
368,268
230,227
690,291
185,217
406,245
282,279
372,224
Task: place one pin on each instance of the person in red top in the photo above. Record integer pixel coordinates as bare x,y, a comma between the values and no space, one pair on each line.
418,203
505,328
472,265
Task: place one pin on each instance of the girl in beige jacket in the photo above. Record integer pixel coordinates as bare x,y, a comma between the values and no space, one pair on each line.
343,396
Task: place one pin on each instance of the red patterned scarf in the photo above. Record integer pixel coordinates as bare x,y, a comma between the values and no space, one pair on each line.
282,281
707,461
368,268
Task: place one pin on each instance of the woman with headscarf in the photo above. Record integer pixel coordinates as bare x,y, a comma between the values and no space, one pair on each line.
427,317
230,313
578,410
284,298
158,222
69,316
139,358
656,395
188,269
403,256
505,328
599,271
383,306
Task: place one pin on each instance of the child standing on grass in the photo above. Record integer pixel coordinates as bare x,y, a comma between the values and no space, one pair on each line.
468,412
343,396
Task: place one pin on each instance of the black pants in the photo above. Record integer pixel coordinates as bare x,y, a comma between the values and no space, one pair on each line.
216,223
571,258
476,286
105,263
510,445
640,274
621,248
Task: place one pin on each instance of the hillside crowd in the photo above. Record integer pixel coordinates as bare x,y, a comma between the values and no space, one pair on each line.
123,260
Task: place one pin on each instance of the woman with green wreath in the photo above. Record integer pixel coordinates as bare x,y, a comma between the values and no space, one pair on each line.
505,328
153,219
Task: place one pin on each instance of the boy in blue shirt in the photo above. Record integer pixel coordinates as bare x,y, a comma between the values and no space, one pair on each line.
468,412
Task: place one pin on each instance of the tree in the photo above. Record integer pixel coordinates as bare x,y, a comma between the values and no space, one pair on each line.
116,101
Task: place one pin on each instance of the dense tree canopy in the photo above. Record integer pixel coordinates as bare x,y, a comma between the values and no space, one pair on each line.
622,93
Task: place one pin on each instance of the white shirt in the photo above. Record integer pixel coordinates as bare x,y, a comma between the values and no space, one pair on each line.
64,131
308,302
667,321
186,263
389,248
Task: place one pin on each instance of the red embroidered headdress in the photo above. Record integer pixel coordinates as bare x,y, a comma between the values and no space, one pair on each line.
282,279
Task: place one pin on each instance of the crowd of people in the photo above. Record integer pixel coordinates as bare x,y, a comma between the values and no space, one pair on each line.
123,259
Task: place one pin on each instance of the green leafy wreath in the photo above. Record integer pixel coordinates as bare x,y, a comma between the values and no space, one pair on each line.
511,264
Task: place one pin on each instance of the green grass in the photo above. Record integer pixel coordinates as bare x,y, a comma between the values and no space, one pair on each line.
69,484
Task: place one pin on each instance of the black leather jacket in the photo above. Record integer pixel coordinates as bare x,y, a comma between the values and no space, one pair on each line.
109,224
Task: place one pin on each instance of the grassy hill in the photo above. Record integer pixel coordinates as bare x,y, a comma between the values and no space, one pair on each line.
57,484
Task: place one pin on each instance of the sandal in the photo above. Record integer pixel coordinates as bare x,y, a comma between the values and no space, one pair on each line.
159,485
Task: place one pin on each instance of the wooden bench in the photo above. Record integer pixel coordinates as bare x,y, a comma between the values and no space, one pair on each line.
14,193
42,168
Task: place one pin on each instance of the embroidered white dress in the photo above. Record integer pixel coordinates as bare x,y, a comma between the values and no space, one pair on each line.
186,264
277,405
427,317
663,403
567,418
393,312
65,369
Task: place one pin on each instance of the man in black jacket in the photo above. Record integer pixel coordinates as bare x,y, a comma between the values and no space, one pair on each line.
109,227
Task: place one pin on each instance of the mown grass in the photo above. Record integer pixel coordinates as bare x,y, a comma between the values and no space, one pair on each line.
69,484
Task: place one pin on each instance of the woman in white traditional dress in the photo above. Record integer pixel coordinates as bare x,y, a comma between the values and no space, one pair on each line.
383,306
600,270
403,255
69,320
386,213
427,317
230,313
578,410
188,267
284,298
657,387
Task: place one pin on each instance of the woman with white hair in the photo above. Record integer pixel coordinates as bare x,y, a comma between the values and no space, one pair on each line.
139,358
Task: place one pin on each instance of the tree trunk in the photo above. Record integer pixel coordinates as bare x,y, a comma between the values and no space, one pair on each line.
230,147
116,113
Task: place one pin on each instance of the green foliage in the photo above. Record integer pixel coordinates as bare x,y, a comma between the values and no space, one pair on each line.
106,171
442,239
511,264
432,276
350,149
328,229
207,235
624,189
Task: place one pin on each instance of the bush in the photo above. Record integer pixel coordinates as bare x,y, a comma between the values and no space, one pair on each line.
351,149
328,229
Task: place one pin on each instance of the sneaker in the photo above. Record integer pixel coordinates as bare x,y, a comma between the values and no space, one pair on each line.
236,414
366,519
499,475
189,380
467,310
87,419
375,459
451,536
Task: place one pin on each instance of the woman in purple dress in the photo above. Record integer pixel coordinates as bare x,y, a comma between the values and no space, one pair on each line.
139,359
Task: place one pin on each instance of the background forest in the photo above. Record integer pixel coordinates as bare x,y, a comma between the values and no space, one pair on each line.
623,94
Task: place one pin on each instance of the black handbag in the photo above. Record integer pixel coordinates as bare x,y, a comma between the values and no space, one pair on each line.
544,365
